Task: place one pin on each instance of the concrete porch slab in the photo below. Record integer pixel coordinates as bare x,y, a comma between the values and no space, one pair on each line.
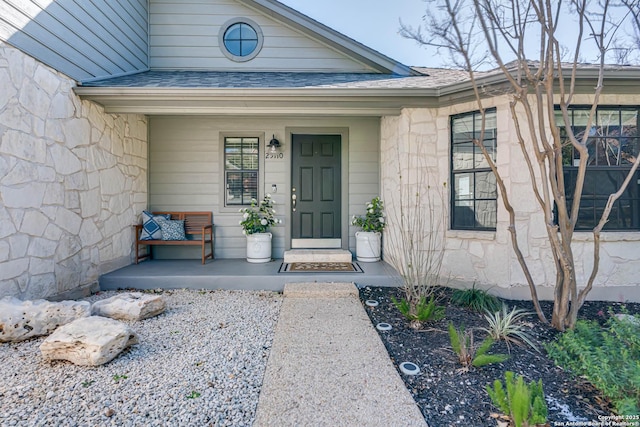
317,255
234,274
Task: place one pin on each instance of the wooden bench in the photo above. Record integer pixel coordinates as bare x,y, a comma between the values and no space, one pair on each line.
198,227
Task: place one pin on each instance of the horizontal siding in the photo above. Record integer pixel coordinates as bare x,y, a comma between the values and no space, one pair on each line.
191,178
364,172
82,39
289,64
283,53
185,172
211,41
184,35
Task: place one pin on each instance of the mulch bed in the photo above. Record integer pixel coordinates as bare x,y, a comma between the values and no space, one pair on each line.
447,396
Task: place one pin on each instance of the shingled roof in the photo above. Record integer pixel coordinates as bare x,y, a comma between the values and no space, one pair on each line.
425,78
272,80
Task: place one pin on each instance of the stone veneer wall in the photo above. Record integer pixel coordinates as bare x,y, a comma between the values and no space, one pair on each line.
487,257
73,180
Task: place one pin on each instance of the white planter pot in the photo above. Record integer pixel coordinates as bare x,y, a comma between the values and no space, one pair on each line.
259,247
368,245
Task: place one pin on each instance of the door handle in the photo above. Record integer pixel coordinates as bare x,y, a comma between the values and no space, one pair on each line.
293,199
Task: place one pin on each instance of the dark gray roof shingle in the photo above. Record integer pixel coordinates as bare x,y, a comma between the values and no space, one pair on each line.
431,78
280,80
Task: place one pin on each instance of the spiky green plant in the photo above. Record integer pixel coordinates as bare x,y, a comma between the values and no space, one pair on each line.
505,326
468,355
424,312
523,403
475,299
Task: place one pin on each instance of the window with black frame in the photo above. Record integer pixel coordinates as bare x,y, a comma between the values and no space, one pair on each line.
613,144
474,193
241,163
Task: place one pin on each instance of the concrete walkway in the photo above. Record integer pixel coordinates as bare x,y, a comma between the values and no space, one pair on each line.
328,367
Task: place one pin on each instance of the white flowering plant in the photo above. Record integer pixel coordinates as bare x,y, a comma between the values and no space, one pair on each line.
374,219
259,217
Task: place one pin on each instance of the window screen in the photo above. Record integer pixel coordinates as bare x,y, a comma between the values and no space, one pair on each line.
241,170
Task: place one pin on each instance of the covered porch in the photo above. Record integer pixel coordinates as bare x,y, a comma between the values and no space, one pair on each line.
208,148
235,274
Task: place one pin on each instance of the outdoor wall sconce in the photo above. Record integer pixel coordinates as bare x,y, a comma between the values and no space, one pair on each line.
274,144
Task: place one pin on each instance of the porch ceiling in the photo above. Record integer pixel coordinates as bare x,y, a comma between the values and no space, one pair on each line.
225,101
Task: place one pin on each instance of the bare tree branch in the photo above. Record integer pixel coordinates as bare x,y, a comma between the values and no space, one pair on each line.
542,92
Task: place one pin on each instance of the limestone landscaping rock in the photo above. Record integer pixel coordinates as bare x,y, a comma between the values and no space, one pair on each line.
90,341
129,306
21,320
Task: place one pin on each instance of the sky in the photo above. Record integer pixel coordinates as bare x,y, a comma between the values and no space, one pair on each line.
374,23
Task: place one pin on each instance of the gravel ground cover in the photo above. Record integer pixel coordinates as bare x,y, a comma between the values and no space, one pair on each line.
449,397
200,363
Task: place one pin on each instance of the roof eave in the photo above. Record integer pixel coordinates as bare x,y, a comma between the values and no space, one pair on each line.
294,101
491,85
585,80
322,100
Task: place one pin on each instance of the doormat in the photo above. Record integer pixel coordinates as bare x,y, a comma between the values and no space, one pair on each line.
320,267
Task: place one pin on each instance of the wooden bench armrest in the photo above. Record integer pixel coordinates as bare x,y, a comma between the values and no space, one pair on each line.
207,227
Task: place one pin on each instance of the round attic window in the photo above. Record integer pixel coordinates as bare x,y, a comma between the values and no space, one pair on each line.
240,39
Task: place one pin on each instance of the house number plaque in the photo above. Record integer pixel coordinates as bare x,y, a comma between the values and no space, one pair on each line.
274,156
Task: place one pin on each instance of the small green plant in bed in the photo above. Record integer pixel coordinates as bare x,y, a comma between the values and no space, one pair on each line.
607,356
475,299
523,403
468,355
425,311
505,325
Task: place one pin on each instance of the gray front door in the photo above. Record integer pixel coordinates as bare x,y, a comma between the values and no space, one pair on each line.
315,191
